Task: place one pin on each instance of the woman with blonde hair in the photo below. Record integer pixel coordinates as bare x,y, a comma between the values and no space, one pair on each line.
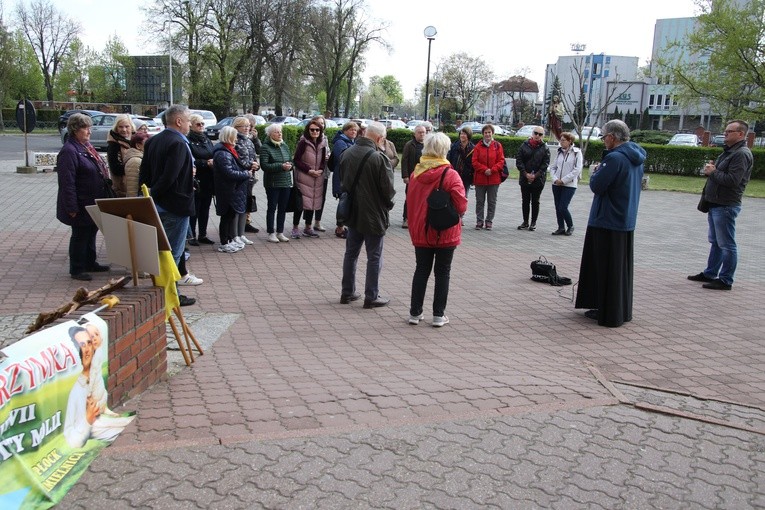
231,178
117,144
202,150
433,250
250,160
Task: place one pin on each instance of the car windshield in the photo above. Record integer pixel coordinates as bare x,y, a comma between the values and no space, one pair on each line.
685,138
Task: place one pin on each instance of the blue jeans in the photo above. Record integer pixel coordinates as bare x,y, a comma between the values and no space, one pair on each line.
277,206
723,254
562,196
374,246
176,228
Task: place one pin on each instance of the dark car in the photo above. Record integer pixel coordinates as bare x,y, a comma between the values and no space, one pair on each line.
213,131
717,141
65,118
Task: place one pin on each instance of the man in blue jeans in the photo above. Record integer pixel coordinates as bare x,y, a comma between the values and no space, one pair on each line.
167,169
727,178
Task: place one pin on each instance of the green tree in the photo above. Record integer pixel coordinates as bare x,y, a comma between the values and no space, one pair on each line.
107,76
50,33
464,78
74,70
726,64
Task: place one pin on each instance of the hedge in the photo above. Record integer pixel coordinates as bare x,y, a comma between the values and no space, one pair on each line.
661,159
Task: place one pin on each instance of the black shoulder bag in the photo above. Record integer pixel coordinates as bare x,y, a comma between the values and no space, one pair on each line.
344,206
442,214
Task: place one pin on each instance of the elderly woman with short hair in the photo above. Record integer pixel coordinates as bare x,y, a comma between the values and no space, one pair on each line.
430,246
231,177
82,178
248,156
276,162
117,144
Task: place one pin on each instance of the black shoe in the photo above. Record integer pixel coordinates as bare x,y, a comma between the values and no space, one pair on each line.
376,303
570,230
98,268
344,300
701,277
532,227
207,240
717,285
523,226
559,232
186,301
591,314
83,277
250,228
193,242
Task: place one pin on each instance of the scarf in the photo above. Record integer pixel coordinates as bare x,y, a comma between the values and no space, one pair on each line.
94,155
231,149
428,162
535,143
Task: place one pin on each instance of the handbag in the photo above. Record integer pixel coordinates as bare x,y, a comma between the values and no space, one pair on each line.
441,213
295,201
504,173
109,188
252,204
703,203
344,205
544,271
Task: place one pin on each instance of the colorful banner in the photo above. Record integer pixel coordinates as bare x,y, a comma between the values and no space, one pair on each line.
53,414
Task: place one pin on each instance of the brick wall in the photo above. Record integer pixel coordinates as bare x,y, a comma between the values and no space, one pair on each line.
137,341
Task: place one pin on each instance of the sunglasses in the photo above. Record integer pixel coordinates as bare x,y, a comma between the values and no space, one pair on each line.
314,130
199,123
537,133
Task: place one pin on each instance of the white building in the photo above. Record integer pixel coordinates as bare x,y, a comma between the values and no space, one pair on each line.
608,81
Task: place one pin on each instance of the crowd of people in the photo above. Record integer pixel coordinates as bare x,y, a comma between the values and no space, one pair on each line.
185,171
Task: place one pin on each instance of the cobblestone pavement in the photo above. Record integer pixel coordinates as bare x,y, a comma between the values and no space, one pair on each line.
305,403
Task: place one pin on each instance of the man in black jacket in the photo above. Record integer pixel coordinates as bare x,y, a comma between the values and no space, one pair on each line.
372,200
167,169
727,178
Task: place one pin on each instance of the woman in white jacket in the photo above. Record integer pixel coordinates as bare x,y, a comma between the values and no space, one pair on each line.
564,174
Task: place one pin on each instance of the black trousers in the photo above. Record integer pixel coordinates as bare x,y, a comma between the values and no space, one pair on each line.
530,196
425,258
227,228
82,248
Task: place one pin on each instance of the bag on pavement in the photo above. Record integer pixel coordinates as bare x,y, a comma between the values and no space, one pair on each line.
544,271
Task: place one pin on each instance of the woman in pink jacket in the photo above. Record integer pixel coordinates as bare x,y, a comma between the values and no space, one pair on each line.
488,160
429,245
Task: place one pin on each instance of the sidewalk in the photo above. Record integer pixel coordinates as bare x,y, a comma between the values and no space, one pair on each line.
306,403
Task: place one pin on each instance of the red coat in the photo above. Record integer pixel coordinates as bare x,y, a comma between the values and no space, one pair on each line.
420,186
491,157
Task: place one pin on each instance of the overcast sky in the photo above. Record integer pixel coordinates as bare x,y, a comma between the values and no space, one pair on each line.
509,35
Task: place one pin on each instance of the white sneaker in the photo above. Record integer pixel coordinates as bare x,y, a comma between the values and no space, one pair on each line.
440,321
237,241
415,319
272,238
190,279
227,248
245,240
236,246
282,238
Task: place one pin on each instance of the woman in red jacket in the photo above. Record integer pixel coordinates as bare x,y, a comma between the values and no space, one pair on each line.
488,160
430,245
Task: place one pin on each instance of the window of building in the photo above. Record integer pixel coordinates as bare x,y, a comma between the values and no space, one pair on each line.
666,102
608,60
605,73
659,100
651,100
595,68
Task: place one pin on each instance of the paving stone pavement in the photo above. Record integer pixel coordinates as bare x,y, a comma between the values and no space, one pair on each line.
305,403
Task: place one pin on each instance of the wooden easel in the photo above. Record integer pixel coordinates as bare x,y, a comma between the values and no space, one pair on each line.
188,335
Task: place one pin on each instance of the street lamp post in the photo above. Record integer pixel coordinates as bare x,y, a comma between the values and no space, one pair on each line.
430,32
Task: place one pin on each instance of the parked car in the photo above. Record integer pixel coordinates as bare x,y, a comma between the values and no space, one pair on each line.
260,120
213,131
151,124
526,131
286,120
589,131
476,127
328,123
102,124
208,117
393,124
340,120
64,118
413,124
717,141
688,139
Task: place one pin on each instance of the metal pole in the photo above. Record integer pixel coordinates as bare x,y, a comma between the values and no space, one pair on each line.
427,83
171,79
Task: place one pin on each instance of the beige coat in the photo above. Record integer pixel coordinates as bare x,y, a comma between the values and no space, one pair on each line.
132,160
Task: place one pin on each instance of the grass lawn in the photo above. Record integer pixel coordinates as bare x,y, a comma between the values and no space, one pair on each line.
682,183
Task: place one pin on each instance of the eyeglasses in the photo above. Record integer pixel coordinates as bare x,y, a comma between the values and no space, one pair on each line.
537,133
728,131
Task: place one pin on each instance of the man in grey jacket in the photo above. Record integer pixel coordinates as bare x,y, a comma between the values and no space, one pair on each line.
727,178
372,200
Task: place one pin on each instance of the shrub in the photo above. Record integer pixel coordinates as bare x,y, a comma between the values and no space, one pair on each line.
654,137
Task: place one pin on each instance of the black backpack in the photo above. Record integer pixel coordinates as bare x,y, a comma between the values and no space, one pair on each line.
442,214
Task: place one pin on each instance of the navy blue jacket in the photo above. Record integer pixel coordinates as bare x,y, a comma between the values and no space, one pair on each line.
339,143
616,185
167,169
80,183
230,181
